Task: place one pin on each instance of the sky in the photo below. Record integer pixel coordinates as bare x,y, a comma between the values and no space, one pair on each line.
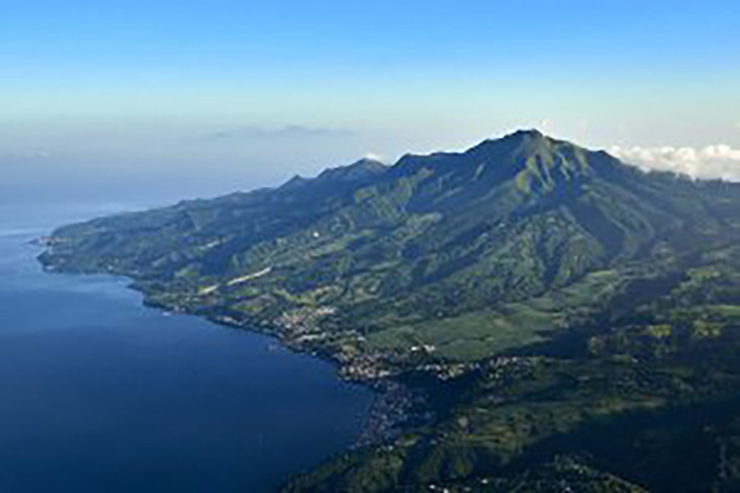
195,98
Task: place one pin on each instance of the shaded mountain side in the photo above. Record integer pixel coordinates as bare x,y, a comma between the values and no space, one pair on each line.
430,237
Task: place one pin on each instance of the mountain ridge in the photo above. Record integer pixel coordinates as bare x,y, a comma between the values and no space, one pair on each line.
440,234
519,305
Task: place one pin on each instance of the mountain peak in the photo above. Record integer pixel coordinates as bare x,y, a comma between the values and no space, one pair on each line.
530,141
524,140
533,160
368,163
363,165
531,133
364,168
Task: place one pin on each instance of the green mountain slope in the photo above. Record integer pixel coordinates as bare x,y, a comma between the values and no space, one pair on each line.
449,239
652,400
573,323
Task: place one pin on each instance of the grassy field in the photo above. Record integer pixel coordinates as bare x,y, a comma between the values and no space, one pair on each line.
484,333
471,336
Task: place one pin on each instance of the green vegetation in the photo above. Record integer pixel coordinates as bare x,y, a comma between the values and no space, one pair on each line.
573,321
491,242
471,336
661,424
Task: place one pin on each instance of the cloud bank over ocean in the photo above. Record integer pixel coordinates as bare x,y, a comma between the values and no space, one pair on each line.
718,161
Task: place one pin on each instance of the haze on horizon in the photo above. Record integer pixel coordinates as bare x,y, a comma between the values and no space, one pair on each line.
178,99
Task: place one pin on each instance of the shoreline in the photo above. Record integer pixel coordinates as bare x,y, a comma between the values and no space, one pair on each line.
392,400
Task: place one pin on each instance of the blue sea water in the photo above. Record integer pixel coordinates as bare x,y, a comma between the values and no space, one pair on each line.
101,394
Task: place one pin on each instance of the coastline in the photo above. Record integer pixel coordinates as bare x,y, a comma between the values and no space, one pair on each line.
393,401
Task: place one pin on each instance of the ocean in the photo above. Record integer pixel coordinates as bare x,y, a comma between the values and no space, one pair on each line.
101,394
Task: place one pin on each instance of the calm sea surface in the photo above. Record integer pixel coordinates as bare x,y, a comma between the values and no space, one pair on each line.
100,394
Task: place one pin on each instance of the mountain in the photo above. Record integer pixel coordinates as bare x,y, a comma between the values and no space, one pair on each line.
536,316
473,253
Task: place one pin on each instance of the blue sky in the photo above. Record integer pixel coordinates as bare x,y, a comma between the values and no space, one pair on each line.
142,87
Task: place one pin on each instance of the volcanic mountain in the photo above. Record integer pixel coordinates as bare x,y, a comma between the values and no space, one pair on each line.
473,252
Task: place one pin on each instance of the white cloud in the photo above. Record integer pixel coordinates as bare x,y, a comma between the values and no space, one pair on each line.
714,161
374,156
